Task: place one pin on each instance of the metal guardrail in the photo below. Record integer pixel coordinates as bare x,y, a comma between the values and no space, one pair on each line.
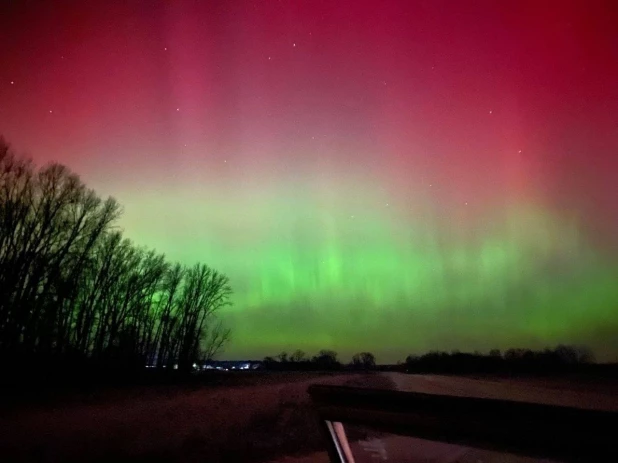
528,429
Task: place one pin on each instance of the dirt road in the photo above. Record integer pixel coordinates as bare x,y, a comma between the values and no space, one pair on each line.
519,390
411,450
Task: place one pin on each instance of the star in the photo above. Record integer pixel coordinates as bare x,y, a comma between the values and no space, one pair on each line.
165,49
177,109
519,151
50,111
293,44
12,83
490,111
269,58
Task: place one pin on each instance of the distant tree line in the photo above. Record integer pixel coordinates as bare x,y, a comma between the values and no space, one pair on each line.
325,359
72,287
511,361
299,360
560,358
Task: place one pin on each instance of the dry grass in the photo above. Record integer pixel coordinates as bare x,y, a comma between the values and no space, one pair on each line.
259,419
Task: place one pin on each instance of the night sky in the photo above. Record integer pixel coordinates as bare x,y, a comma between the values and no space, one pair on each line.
391,176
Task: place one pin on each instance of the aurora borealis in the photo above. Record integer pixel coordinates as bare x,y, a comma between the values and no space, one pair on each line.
391,176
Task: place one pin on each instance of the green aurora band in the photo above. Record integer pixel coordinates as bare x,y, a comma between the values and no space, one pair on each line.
307,275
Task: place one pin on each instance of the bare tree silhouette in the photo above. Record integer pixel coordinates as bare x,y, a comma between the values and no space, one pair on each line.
364,360
298,356
71,285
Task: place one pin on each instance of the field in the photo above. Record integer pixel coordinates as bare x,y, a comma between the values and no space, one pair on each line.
241,417
255,417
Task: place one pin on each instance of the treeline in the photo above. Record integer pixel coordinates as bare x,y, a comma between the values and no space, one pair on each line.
73,289
560,358
323,360
299,360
